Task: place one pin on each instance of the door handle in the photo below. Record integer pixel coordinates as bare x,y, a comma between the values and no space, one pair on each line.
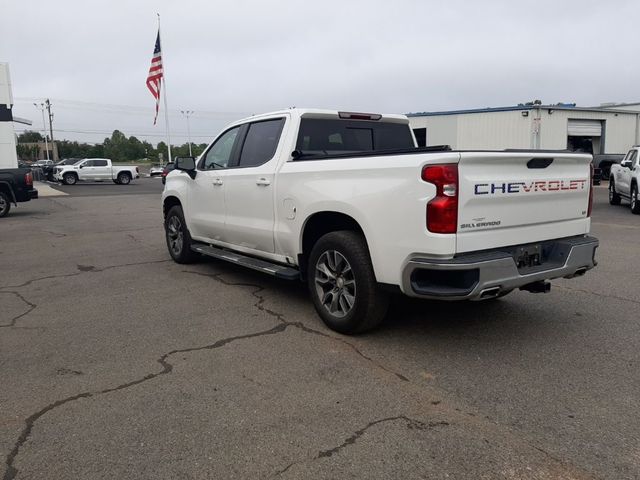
263,182
217,181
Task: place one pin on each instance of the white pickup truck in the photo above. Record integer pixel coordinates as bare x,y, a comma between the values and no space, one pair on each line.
349,204
95,170
624,180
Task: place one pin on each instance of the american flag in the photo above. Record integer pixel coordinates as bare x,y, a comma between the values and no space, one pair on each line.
154,79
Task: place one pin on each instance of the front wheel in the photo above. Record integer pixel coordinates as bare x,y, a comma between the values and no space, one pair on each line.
342,284
614,198
5,204
635,201
69,179
177,236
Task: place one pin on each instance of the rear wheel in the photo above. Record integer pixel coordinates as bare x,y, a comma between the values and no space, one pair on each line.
178,238
614,198
342,284
635,201
5,204
124,178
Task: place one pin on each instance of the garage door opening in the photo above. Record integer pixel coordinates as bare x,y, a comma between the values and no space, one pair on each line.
585,136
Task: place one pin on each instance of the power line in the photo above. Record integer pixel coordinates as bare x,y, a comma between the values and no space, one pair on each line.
109,132
115,108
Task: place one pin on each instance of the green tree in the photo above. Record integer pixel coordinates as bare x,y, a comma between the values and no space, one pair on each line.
29,136
115,147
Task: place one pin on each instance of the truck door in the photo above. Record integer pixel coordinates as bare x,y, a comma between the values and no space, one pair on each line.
250,186
623,176
206,210
101,170
85,170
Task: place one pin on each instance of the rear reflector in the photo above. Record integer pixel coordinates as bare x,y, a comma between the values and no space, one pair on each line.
359,116
442,210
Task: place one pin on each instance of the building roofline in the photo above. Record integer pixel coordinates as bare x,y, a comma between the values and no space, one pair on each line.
522,108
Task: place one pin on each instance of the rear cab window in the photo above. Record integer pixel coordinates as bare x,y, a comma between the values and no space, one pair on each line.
321,138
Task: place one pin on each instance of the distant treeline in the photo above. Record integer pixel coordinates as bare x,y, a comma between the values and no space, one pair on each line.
118,148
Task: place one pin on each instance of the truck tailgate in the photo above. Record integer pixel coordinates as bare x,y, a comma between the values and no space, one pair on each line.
513,198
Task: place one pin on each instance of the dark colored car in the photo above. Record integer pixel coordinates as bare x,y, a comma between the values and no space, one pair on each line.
167,168
16,185
49,169
603,162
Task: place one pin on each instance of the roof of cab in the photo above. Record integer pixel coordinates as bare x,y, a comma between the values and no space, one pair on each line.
320,113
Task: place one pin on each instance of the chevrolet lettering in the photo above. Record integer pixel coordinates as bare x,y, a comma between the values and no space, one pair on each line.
527,187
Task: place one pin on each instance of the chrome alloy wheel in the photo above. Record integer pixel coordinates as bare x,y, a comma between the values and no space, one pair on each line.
175,235
3,204
335,283
634,199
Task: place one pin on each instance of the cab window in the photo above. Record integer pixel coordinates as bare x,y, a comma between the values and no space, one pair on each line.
260,142
219,154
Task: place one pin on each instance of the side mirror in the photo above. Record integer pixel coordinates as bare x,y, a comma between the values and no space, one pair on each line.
81,166
626,164
186,164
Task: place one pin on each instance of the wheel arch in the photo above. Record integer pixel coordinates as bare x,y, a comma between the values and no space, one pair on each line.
168,203
319,224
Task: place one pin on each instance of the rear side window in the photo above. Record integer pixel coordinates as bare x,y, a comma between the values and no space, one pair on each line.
99,163
260,142
323,137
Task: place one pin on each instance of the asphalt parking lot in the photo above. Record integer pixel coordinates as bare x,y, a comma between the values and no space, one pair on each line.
118,363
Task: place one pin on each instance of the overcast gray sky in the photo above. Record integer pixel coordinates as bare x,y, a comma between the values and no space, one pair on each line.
228,59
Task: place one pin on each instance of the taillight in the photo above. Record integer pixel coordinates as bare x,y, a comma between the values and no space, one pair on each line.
28,179
590,207
442,210
137,170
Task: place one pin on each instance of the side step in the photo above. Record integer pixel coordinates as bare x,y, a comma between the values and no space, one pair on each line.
273,269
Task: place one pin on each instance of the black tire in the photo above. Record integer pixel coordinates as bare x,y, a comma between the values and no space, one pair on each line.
5,204
124,178
614,198
635,200
353,283
178,237
69,179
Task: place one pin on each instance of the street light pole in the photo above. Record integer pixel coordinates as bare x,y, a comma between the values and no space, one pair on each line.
42,108
187,114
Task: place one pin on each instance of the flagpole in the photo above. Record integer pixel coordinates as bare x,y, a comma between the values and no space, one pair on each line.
164,94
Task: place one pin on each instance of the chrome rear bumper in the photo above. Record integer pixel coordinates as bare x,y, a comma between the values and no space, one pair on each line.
486,274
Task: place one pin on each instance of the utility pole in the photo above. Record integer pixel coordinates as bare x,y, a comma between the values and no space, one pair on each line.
41,107
53,144
187,114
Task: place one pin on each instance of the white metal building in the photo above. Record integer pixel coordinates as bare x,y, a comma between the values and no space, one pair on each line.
605,129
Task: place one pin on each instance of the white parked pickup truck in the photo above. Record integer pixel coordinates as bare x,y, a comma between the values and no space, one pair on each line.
624,180
95,170
349,204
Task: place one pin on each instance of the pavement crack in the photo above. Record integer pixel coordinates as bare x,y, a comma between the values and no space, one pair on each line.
411,424
260,306
11,471
31,307
81,269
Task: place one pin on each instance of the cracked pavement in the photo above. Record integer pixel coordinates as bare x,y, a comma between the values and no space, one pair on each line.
117,363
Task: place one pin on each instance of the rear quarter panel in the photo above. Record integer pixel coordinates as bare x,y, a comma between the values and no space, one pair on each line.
384,194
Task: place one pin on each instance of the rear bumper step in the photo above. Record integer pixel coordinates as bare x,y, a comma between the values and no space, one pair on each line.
273,269
483,275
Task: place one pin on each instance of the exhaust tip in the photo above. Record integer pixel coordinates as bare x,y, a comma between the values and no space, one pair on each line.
490,292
